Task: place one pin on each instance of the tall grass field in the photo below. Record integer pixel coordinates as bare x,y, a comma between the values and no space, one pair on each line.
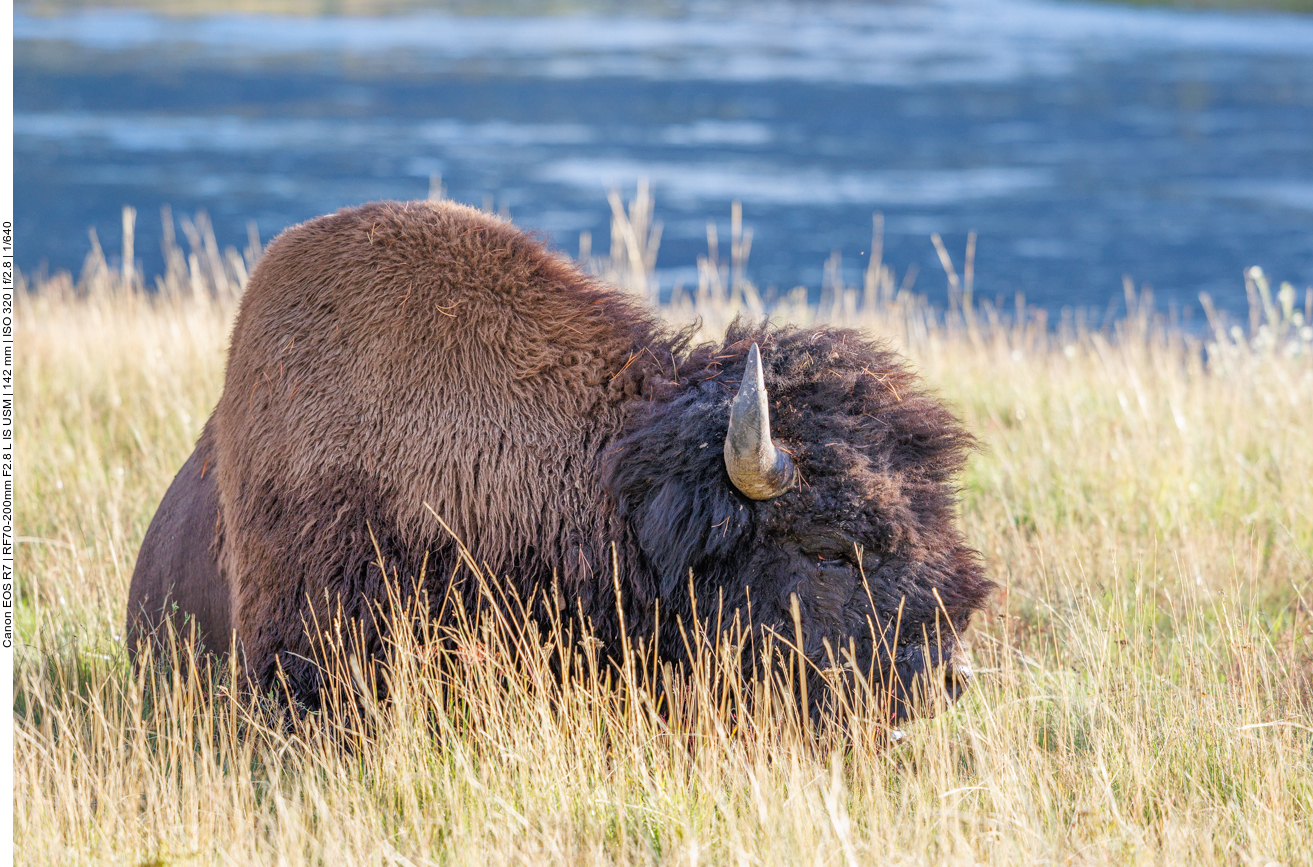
1144,692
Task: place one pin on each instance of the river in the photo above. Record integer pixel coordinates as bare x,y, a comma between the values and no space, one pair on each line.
1081,142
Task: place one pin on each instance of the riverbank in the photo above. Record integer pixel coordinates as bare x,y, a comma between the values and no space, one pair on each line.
1300,6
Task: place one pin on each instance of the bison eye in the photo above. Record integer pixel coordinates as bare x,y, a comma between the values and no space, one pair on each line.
833,551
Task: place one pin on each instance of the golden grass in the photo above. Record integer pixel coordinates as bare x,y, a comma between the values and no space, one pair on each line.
1146,670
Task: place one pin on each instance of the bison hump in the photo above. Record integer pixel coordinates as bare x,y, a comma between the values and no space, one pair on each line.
410,354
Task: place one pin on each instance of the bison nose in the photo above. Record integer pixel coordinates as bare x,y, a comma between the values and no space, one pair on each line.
957,678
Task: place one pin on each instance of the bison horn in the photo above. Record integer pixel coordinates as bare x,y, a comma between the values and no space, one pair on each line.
756,466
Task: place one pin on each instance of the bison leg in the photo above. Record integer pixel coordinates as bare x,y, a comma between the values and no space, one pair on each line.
177,579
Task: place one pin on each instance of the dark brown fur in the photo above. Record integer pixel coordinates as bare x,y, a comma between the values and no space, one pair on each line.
401,357
176,579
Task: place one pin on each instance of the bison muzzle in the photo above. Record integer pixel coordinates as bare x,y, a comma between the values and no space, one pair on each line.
397,361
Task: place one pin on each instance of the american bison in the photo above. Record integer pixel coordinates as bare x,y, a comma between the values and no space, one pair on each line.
397,361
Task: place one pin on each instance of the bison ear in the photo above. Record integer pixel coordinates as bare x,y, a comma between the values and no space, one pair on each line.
756,467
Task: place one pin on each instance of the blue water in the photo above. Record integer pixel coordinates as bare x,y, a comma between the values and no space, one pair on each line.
1081,142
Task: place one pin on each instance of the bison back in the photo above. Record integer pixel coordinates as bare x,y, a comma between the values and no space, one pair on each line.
396,362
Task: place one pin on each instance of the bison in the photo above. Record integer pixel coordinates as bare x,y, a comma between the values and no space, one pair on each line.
177,578
399,362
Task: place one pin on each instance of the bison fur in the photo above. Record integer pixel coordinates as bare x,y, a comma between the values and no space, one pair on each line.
397,363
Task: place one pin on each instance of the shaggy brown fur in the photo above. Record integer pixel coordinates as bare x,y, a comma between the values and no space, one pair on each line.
398,357
395,356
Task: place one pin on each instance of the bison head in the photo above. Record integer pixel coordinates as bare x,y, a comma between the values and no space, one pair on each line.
803,480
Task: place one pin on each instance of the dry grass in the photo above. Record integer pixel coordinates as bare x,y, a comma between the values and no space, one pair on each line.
1146,688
